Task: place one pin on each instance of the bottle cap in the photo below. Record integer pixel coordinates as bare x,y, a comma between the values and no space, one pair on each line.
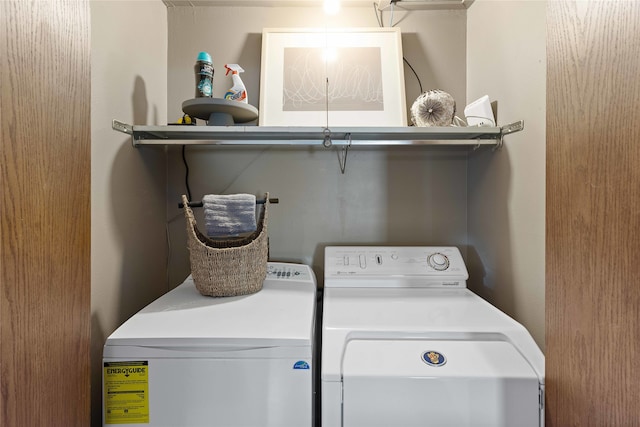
204,57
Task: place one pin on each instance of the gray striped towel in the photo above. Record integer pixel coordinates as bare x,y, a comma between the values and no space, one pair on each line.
229,215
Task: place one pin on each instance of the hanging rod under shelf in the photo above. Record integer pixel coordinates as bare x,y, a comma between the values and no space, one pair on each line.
201,204
301,135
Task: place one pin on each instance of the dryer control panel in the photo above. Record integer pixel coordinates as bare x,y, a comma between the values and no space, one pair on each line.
394,266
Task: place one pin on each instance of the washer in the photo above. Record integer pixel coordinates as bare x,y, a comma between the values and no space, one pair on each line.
191,360
405,343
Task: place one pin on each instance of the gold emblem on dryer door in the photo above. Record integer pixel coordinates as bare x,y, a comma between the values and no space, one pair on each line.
433,358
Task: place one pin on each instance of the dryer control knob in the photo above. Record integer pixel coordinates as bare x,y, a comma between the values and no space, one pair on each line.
438,261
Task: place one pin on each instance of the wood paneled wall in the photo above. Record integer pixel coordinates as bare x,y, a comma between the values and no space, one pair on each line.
45,213
593,214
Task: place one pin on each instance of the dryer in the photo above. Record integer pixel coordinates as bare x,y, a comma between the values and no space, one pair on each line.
405,343
190,360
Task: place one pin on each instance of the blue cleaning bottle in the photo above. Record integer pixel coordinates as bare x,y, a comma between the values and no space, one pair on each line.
204,75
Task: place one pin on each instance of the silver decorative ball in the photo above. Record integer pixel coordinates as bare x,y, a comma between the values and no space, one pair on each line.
433,108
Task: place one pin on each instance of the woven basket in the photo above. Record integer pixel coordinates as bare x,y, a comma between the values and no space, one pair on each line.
230,267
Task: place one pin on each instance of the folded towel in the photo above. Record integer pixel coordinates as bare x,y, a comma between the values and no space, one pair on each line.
229,215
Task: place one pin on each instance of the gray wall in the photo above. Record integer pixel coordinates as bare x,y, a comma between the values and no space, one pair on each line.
128,186
387,196
506,254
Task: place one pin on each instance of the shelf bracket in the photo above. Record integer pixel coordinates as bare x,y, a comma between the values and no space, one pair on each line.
508,129
124,128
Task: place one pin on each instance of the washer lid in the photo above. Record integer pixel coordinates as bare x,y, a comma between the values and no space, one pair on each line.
281,314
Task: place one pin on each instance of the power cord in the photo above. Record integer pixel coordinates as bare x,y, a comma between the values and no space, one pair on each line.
186,176
381,25
414,73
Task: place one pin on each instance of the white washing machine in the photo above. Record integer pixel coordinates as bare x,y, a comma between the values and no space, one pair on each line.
192,361
405,343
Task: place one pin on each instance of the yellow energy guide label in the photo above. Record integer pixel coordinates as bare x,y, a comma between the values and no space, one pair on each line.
126,392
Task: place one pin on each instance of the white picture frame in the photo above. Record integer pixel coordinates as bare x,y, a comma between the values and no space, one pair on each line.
302,85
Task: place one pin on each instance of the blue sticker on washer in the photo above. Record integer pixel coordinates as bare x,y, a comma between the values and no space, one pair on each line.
301,364
433,358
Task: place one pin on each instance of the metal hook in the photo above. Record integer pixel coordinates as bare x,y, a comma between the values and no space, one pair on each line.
500,142
343,159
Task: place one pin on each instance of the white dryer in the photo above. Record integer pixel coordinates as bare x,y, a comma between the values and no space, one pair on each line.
192,361
405,343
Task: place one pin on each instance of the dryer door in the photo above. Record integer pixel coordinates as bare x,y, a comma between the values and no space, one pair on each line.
438,383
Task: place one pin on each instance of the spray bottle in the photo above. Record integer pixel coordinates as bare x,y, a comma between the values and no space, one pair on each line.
238,91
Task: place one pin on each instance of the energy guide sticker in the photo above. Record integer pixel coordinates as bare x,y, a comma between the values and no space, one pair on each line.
126,392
